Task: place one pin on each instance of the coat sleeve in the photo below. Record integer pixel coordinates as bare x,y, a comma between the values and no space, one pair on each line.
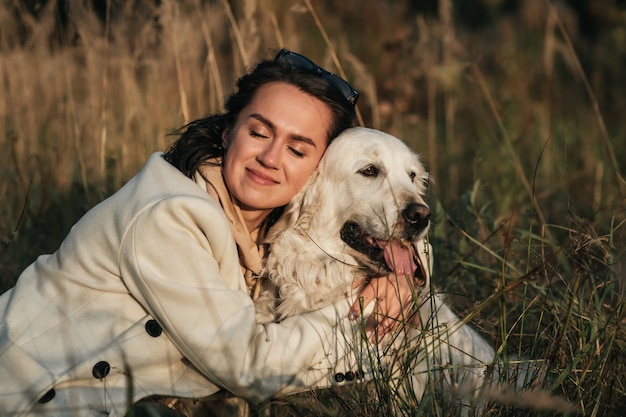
179,260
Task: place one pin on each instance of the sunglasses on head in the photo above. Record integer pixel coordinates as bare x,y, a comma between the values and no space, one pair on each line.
298,61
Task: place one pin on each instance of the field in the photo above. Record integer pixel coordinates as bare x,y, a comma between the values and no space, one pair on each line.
515,106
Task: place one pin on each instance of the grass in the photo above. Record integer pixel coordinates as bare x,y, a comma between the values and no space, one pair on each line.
518,120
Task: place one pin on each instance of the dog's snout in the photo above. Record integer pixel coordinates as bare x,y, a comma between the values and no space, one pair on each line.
416,213
417,217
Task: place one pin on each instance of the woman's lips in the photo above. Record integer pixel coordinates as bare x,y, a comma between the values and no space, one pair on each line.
260,178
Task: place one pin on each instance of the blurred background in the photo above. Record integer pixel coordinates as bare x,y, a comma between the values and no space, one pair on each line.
516,106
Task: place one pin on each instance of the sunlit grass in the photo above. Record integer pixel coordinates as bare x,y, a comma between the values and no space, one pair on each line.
524,143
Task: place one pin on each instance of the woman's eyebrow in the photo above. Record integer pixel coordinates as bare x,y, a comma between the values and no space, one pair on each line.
304,139
262,120
271,125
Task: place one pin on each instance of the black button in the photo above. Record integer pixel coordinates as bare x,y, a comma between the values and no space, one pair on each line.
47,396
101,369
349,376
153,328
339,377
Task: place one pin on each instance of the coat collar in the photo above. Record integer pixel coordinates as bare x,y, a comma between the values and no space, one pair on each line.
210,177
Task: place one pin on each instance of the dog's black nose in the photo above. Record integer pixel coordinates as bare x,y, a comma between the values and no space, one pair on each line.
417,216
415,213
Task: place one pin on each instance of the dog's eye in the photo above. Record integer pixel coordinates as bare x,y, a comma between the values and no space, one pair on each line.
412,175
370,171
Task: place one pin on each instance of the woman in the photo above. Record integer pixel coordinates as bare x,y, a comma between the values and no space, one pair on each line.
146,295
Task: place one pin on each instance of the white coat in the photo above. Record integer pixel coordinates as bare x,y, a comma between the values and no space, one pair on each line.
146,297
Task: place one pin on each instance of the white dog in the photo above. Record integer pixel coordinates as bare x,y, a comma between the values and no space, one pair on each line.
363,215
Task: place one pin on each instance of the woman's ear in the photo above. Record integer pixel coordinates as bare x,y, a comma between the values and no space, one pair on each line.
225,137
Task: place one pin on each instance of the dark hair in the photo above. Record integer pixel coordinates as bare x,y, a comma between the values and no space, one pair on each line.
201,139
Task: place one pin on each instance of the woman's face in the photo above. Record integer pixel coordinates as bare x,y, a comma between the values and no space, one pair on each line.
274,146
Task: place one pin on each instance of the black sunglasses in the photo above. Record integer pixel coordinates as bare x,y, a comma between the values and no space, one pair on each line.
298,61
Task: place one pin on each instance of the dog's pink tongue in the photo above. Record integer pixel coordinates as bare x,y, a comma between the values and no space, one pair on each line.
399,257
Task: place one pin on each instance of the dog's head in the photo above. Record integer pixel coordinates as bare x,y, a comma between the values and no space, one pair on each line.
369,192
382,184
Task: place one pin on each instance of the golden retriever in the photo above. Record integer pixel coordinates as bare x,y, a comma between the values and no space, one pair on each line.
363,214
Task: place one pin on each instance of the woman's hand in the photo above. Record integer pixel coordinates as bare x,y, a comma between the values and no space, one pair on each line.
393,295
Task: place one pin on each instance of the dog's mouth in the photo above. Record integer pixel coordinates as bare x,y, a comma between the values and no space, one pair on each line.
385,256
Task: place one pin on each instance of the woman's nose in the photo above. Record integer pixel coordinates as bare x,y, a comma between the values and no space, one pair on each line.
270,156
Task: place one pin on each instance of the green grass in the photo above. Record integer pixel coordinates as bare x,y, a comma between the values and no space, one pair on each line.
518,121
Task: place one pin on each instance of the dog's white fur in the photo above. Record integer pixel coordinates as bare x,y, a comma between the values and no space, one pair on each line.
368,177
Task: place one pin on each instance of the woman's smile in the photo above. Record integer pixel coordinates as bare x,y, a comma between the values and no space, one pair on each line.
260,178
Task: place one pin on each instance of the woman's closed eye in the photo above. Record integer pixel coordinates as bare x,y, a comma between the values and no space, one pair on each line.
257,134
296,152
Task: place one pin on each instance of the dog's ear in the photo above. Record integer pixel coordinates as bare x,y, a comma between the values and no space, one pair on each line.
311,196
296,212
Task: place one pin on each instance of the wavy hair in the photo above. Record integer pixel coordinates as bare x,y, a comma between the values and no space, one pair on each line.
201,140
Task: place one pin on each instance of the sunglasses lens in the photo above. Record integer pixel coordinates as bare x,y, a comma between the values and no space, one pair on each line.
301,62
346,89
296,60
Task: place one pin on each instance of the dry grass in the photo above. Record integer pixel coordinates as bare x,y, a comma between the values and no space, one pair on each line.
518,120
